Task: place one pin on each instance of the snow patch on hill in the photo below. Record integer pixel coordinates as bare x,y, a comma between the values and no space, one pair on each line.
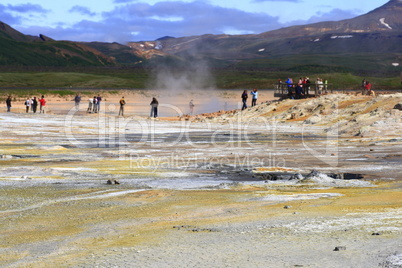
341,36
382,20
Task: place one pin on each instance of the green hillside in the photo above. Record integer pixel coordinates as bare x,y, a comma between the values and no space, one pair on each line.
49,53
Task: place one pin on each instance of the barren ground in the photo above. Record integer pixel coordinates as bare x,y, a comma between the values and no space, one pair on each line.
195,191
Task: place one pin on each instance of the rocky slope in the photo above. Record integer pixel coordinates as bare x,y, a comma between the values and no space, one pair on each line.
343,114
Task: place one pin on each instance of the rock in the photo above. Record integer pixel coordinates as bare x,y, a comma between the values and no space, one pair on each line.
112,182
398,106
339,248
297,176
393,261
294,116
313,120
287,207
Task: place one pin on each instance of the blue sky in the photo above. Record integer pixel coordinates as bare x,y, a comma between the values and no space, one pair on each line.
139,20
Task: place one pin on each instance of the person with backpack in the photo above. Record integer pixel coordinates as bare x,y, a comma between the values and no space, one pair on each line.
90,102
27,104
122,103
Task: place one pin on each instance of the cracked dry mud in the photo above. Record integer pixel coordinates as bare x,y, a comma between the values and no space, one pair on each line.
190,194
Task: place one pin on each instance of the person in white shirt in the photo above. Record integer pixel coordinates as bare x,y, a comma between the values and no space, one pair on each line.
27,104
254,94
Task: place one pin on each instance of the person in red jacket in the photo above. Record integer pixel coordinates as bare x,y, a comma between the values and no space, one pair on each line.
42,107
367,88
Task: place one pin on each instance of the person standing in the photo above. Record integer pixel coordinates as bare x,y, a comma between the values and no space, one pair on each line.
94,104
367,88
122,103
289,83
90,102
308,83
191,104
320,85
99,99
254,95
244,97
34,104
77,101
27,104
42,106
8,103
326,86
299,91
154,107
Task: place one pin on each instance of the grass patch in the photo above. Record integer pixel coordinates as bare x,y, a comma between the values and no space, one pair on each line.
25,83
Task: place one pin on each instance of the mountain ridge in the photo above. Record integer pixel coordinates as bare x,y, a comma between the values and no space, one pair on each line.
376,34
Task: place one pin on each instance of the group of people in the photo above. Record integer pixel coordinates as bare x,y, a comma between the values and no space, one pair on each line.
93,103
367,88
31,104
154,107
302,87
254,97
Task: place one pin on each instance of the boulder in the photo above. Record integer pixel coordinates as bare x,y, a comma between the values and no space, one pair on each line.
398,106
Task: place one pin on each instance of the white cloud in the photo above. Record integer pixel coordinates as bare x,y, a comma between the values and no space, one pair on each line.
82,10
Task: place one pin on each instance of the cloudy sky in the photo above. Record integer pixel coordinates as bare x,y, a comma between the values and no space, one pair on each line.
140,20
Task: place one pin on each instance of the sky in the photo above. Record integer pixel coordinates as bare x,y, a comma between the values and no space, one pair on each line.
139,20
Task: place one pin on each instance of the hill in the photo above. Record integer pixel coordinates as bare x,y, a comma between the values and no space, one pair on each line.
17,49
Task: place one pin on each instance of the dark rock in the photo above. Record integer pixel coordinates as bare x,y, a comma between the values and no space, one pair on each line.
112,182
339,248
398,106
